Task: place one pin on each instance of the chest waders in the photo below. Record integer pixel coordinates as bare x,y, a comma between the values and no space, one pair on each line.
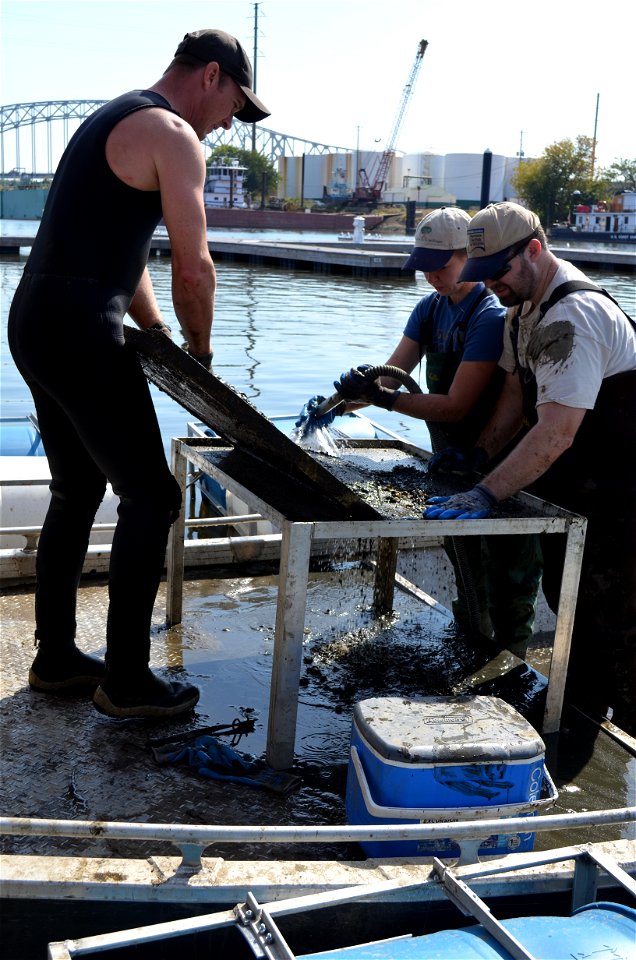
441,367
596,477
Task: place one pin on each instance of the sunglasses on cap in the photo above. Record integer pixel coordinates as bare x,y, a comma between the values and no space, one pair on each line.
516,250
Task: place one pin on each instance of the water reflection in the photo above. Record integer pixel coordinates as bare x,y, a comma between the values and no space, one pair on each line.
282,336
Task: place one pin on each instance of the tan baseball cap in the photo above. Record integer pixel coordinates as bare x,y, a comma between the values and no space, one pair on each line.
491,235
438,235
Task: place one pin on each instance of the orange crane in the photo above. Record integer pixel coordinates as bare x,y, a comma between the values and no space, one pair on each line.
371,190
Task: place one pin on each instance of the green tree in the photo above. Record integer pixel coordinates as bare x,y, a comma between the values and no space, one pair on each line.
261,176
622,175
547,184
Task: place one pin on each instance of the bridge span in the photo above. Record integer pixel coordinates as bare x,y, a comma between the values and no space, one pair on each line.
33,137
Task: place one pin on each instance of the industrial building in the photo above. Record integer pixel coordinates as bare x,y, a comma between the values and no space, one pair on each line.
427,178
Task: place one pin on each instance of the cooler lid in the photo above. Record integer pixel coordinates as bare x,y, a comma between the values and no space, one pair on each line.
442,729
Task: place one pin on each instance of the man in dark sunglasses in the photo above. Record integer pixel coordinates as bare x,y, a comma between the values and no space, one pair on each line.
570,361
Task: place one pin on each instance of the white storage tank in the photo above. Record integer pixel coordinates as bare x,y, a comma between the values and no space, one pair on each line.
463,174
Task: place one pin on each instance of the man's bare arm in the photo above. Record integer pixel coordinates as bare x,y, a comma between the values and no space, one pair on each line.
181,171
156,150
144,308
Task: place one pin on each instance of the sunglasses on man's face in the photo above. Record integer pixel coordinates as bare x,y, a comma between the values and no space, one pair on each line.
508,263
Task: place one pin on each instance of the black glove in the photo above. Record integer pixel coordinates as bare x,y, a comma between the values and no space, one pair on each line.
380,396
454,460
357,386
162,328
205,359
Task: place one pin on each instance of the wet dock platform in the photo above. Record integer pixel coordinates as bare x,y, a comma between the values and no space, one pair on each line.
63,760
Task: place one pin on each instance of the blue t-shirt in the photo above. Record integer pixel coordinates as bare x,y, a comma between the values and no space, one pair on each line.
484,333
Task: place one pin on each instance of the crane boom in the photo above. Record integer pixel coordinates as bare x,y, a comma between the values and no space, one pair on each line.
373,190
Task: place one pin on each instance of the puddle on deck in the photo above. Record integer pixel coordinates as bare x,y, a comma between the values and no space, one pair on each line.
62,760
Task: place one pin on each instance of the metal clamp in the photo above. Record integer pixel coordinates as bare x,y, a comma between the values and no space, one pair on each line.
261,932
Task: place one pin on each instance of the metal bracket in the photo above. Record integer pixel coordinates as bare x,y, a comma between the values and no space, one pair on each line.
470,904
261,932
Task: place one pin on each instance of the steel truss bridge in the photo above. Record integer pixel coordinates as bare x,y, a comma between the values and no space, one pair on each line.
34,135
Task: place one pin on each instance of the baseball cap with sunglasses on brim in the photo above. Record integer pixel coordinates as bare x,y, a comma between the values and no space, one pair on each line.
496,235
518,248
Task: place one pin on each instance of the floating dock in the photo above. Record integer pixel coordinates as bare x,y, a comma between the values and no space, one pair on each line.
378,258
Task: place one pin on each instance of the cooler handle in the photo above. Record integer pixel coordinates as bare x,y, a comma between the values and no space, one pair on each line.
443,814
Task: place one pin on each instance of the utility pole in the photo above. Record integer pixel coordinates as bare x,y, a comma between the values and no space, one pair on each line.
255,62
594,137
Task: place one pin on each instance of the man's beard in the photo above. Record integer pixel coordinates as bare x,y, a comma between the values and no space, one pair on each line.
524,287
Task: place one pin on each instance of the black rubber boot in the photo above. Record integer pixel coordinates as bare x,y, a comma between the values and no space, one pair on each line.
145,696
65,669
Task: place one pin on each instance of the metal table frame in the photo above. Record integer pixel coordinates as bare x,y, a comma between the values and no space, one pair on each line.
297,539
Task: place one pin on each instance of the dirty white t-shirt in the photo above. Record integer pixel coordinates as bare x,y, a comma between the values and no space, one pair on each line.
582,340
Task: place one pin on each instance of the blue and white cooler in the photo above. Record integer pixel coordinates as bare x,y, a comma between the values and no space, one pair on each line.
444,759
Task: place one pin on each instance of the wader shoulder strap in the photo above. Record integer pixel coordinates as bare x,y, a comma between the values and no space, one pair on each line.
572,286
563,290
462,326
426,329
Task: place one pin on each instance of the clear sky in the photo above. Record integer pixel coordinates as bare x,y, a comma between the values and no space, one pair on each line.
496,75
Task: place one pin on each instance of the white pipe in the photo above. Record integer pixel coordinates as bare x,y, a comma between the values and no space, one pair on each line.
207,834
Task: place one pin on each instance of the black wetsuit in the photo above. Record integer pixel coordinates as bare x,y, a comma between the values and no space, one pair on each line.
93,404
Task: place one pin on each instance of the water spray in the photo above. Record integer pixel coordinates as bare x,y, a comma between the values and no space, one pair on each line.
321,438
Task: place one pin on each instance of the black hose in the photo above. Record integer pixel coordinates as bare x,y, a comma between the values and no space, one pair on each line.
387,370
384,370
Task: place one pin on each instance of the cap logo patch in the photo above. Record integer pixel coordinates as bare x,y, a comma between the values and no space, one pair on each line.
477,239
426,229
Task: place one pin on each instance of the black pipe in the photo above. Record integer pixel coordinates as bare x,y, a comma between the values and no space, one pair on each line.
384,370
485,179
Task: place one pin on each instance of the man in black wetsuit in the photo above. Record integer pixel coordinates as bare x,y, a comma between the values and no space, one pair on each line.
134,161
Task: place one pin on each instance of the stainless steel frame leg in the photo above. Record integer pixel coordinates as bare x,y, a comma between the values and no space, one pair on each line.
288,642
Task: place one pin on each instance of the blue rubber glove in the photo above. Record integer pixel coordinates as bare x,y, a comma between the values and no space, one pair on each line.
357,386
307,413
473,505
455,460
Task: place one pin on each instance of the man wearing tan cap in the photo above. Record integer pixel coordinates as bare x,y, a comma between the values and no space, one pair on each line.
458,329
570,361
135,160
